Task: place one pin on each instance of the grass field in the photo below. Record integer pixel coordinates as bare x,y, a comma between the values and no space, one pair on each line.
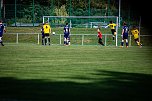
30,72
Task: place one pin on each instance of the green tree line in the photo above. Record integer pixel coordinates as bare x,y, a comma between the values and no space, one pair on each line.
28,11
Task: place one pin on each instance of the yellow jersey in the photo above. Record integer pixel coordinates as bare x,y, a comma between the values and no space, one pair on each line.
135,33
46,28
112,25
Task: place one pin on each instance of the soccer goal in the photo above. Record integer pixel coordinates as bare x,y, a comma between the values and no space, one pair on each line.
83,24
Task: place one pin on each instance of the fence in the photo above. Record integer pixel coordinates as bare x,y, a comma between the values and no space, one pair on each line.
76,39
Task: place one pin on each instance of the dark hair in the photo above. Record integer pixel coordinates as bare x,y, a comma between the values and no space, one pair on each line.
124,23
66,23
110,21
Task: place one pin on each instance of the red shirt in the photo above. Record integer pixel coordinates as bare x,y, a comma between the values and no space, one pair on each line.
99,35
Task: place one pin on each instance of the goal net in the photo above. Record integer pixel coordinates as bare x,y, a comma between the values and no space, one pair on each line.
83,25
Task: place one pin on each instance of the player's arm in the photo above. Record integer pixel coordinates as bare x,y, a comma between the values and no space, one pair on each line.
107,26
4,29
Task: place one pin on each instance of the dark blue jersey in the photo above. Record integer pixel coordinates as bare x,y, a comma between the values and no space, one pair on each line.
1,30
66,30
125,30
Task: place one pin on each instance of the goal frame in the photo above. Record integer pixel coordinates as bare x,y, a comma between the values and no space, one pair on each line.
115,17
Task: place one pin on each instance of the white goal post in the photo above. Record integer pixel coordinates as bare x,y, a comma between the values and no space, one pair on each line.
82,21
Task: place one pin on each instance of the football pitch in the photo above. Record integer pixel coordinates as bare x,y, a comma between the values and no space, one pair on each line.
30,72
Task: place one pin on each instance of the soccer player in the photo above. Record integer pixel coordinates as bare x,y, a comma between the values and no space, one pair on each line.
125,31
42,31
2,30
135,33
100,37
47,31
66,34
112,27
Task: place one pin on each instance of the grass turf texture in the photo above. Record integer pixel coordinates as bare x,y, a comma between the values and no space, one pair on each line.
75,73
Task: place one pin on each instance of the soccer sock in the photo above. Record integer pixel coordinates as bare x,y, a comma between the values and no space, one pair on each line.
102,44
64,42
42,41
2,43
126,44
138,43
49,40
113,37
45,41
122,43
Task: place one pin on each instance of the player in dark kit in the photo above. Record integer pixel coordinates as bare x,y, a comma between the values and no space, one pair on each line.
66,34
43,36
125,31
2,30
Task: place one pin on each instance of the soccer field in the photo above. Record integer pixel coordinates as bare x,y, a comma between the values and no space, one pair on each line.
30,72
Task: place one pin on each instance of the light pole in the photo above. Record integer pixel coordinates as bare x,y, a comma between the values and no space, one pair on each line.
33,12
15,12
119,11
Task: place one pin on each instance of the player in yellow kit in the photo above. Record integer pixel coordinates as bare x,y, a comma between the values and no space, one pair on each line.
47,31
113,29
135,33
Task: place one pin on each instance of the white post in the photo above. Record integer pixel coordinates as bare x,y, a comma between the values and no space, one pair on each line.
38,38
60,39
130,40
43,19
82,39
119,11
117,31
17,38
105,39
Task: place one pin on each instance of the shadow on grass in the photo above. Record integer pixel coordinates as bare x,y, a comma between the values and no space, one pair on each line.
117,86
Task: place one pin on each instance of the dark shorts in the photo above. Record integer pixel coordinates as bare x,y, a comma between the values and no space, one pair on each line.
125,36
136,39
113,31
43,35
66,36
46,34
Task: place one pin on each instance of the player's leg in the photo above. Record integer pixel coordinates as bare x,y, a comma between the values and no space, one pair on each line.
1,41
126,42
113,36
122,41
49,40
43,39
137,42
64,40
100,42
69,40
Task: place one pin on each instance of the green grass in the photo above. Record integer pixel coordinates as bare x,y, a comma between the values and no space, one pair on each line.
30,72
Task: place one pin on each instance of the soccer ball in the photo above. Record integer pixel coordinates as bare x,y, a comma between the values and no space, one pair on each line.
53,33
